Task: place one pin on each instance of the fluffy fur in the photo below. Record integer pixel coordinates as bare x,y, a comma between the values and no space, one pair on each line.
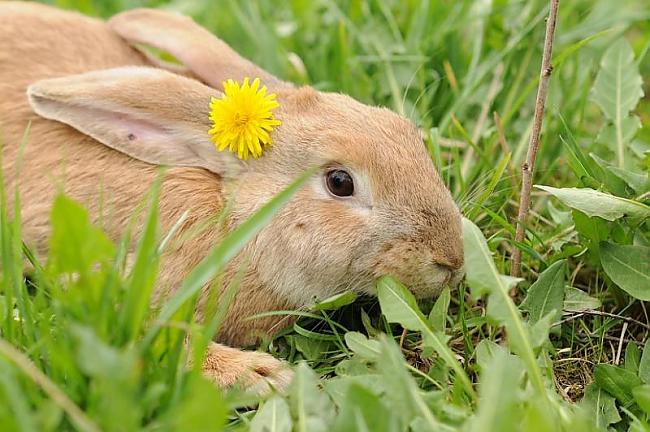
104,115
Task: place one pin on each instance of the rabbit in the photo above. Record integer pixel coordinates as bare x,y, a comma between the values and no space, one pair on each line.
105,116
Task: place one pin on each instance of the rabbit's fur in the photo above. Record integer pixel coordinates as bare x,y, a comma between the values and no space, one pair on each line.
400,221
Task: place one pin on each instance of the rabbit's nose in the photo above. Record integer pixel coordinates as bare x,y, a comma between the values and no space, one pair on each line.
452,273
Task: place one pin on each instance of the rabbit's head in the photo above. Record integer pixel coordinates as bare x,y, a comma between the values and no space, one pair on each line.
376,206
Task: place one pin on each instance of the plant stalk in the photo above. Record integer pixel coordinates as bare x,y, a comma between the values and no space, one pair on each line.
528,166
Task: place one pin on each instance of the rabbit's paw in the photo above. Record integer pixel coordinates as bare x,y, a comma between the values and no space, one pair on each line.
258,373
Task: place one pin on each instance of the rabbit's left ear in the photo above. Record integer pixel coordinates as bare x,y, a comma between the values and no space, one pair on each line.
149,114
205,55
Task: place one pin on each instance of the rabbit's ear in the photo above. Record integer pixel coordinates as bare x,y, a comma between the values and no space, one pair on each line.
149,114
207,56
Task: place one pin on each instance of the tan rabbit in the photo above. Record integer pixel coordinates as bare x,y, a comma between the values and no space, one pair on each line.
105,116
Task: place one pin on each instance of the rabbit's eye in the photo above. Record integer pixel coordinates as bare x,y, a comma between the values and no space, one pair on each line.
340,183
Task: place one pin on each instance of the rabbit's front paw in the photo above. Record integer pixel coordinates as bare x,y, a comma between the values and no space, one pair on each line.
256,372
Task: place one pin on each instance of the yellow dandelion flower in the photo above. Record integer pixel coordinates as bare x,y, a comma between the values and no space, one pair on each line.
242,120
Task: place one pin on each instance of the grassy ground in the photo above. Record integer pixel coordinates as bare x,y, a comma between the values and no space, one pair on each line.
567,354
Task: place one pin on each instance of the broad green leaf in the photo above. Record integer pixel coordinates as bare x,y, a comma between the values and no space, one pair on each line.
399,305
498,403
361,345
482,276
632,357
592,230
576,300
612,183
355,366
642,397
202,409
76,244
561,218
402,393
617,90
617,381
485,351
546,294
338,386
598,401
96,358
638,182
312,349
273,416
596,203
337,301
311,408
364,411
629,127
438,314
644,364
629,267
540,330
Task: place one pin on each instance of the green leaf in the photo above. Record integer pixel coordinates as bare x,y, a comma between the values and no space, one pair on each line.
617,381
602,404
402,393
398,305
201,409
546,294
638,182
274,416
482,276
593,230
312,409
312,349
363,411
338,386
642,397
630,125
644,364
612,183
498,394
632,357
76,245
485,351
576,300
629,267
438,314
336,301
617,89
596,203
361,345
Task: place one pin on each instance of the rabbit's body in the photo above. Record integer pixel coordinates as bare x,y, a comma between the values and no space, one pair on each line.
400,220
109,183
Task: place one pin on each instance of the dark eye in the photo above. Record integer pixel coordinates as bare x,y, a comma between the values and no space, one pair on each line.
340,183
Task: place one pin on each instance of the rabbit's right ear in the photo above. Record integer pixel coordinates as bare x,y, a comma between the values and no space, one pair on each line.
149,114
207,56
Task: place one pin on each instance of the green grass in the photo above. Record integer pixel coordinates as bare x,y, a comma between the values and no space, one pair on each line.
567,353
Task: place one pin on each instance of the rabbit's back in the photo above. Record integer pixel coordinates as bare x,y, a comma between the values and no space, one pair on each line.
41,42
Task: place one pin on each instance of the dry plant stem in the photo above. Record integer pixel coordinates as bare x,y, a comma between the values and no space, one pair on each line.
626,319
528,166
620,344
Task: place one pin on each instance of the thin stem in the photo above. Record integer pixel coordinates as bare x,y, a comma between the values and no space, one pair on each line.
528,166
